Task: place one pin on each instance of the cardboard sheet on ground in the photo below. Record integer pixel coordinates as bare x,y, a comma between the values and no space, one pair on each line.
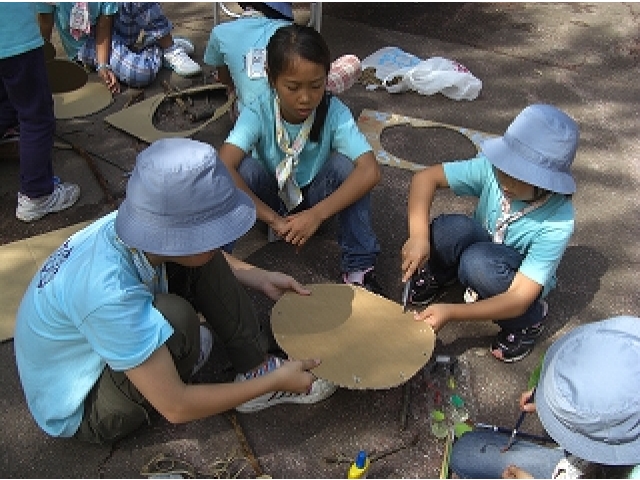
372,123
364,340
137,120
73,95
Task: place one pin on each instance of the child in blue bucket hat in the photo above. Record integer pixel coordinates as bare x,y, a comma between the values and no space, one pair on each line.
587,401
109,329
506,254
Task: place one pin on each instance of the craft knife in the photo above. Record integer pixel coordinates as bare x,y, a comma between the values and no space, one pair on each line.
405,295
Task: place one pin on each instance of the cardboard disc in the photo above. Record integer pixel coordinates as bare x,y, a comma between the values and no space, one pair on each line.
364,340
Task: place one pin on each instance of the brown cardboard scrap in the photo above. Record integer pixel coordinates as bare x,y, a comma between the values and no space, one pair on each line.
364,340
137,120
73,95
372,123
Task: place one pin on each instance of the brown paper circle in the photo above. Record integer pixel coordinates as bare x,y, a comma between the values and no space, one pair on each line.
364,340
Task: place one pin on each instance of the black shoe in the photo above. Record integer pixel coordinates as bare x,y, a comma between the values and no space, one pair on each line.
425,289
513,345
370,282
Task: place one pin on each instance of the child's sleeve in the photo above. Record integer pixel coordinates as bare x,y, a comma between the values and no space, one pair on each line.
246,131
346,136
212,54
44,7
108,8
467,177
543,257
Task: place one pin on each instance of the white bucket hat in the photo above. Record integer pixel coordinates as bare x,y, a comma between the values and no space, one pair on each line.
588,396
181,200
537,148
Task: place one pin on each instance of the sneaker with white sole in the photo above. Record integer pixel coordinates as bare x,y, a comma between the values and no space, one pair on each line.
63,196
206,344
177,60
320,389
182,42
185,44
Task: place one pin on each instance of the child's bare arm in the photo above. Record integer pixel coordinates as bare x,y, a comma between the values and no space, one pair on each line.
179,402
362,179
510,304
103,52
45,21
232,157
424,184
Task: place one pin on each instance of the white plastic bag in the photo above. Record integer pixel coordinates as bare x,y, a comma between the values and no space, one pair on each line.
435,75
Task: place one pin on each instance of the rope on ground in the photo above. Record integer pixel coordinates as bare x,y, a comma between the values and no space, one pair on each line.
164,465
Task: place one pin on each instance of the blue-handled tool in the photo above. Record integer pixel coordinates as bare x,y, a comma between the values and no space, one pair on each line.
518,424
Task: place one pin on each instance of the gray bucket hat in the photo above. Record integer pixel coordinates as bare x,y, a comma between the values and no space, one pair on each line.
588,396
181,200
537,148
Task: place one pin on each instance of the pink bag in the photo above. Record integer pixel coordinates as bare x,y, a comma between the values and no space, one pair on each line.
344,72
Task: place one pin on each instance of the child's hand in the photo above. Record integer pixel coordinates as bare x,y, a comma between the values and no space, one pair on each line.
110,80
294,375
276,284
515,472
526,402
301,227
415,253
436,315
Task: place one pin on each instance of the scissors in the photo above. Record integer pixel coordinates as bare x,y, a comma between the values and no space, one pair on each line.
405,295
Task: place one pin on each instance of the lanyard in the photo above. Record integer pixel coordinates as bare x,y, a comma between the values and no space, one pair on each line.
506,218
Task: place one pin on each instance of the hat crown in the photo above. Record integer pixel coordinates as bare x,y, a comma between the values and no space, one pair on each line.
545,136
590,387
538,148
180,181
181,200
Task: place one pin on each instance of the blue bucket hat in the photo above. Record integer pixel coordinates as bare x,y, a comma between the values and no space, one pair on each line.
537,148
588,396
181,200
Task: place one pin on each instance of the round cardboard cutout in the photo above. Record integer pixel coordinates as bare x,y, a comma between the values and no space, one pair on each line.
364,340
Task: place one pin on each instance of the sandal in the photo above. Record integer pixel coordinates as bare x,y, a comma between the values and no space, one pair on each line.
513,345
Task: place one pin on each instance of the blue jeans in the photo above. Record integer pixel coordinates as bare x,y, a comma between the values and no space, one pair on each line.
477,455
461,247
358,242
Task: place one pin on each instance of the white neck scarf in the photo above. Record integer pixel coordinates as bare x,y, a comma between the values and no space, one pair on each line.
290,192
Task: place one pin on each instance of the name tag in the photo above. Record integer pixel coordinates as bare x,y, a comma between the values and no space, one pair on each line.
256,61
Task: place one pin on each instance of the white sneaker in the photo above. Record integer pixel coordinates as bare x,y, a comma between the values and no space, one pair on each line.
320,389
63,196
206,344
177,60
185,44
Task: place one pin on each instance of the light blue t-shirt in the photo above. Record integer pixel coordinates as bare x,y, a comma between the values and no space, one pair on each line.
229,44
541,236
87,307
255,129
19,30
61,15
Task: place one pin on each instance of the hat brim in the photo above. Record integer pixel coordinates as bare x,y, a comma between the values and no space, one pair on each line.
519,167
185,240
572,441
